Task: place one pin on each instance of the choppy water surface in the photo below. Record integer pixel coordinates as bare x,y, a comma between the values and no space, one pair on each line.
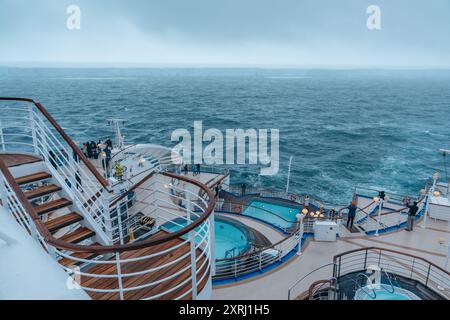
344,128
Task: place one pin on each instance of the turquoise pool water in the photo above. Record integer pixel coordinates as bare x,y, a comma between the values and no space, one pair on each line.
229,237
282,216
382,294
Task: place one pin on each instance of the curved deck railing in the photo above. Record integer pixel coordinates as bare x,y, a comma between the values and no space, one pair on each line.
399,263
261,257
175,265
394,262
286,225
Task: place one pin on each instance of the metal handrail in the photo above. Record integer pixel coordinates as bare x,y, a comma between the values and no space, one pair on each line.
362,288
50,239
421,269
64,135
305,276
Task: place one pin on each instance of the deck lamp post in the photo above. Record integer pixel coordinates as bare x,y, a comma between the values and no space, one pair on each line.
300,218
380,200
433,192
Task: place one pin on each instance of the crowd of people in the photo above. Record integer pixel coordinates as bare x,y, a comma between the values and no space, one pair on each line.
93,150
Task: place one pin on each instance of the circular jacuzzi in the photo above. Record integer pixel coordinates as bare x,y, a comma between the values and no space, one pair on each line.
384,292
232,238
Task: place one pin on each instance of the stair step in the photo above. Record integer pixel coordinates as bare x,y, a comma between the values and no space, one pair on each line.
42,191
63,221
78,235
80,255
52,206
33,178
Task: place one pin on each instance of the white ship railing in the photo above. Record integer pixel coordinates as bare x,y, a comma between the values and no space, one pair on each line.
134,268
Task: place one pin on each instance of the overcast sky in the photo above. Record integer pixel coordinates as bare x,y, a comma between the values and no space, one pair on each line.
227,32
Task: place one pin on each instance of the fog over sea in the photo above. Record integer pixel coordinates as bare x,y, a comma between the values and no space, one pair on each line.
375,128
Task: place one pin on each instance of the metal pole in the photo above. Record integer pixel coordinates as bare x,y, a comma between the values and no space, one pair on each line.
300,218
380,208
427,206
33,129
2,139
448,256
289,175
192,246
119,275
212,246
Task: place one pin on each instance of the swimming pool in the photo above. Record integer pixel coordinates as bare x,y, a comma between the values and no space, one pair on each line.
231,238
283,216
366,293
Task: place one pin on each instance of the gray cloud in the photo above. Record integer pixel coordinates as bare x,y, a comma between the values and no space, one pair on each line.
286,32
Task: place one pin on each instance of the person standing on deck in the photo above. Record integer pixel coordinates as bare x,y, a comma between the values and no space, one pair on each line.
351,215
411,215
217,189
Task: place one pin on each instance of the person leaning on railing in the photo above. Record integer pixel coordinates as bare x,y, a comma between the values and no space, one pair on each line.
351,214
411,215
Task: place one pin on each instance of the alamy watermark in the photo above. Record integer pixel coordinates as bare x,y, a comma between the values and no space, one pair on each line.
374,19
73,22
212,147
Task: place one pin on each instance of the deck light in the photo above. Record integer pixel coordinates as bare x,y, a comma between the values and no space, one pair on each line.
436,176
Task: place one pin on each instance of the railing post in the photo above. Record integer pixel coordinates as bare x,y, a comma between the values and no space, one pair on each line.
212,247
52,252
33,128
192,245
104,203
300,218
428,274
380,209
365,260
2,138
119,222
119,275
260,260
3,194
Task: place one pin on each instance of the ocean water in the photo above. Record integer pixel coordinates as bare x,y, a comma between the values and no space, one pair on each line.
374,128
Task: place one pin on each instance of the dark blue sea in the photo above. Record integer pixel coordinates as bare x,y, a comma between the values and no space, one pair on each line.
374,128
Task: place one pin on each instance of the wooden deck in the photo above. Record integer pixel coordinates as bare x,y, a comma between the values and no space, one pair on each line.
17,159
150,277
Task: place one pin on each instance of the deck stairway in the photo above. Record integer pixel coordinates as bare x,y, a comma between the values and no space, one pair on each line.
62,219
60,199
56,211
